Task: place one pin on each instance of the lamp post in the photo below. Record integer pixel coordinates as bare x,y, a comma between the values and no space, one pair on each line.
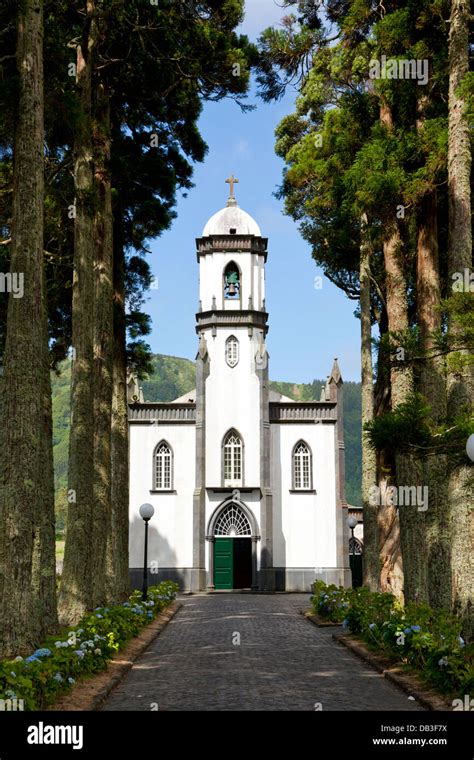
146,513
351,523
470,447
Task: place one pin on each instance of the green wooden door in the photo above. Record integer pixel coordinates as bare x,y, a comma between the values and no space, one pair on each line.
223,563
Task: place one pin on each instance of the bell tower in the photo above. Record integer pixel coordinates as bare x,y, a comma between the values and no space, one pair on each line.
232,405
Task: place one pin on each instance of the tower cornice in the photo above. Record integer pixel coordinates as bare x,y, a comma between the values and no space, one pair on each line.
228,318
231,243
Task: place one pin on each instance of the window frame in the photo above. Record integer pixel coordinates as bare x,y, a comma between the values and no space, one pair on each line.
231,341
299,457
160,486
232,482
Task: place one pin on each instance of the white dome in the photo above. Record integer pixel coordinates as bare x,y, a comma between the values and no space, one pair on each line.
231,218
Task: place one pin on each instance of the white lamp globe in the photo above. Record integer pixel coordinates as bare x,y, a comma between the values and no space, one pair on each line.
470,447
352,522
146,511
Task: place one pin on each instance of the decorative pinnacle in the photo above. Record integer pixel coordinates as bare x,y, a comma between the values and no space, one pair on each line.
335,373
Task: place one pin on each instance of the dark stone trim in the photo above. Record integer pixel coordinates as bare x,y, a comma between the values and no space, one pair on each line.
303,411
161,422
267,571
210,582
302,421
254,586
342,531
228,318
302,490
181,575
309,404
234,243
231,489
163,405
286,578
198,576
151,412
300,579
162,490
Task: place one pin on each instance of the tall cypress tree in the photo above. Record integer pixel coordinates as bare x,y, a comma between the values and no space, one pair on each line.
461,364
26,495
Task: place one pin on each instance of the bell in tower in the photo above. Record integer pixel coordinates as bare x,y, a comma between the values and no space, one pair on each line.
231,281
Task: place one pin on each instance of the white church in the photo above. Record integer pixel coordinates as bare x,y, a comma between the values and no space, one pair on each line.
247,485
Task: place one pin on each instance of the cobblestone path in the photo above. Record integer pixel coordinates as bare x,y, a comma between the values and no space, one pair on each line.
283,662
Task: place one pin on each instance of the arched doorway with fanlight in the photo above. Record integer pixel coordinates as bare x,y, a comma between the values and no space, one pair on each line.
233,536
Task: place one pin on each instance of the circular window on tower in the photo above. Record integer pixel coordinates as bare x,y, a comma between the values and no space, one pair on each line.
232,351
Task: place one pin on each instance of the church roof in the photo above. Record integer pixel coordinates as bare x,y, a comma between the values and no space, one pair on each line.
231,218
191,397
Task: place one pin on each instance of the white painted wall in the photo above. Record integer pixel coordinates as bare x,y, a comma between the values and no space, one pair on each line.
211,279
304,524
171,527
233,401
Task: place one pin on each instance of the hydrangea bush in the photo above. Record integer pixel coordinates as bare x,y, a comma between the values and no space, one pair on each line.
426,640
81,650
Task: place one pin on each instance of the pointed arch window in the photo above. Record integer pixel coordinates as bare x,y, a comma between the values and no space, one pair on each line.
232,351
232,282
302,467
163,467
232,521
232,454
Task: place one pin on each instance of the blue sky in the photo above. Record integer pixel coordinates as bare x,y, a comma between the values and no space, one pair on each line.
308,326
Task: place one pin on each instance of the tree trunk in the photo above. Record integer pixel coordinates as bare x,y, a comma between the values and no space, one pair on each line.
44,550
76,586
26,485
103,346
431,471
401,377
428,289
369,458
391,577
117,543
460,384
390,555
401,383
390,558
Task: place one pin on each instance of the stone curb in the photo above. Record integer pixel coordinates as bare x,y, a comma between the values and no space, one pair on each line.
407,682
90,694
320,622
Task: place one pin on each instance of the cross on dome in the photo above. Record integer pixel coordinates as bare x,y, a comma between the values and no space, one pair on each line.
231,220
231,181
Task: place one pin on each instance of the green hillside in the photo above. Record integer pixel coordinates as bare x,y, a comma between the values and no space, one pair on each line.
172,377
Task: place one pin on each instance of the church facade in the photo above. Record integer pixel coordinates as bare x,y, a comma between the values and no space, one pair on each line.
247,485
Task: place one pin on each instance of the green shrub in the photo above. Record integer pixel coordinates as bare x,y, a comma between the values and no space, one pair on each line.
330,602
416,635
81,650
